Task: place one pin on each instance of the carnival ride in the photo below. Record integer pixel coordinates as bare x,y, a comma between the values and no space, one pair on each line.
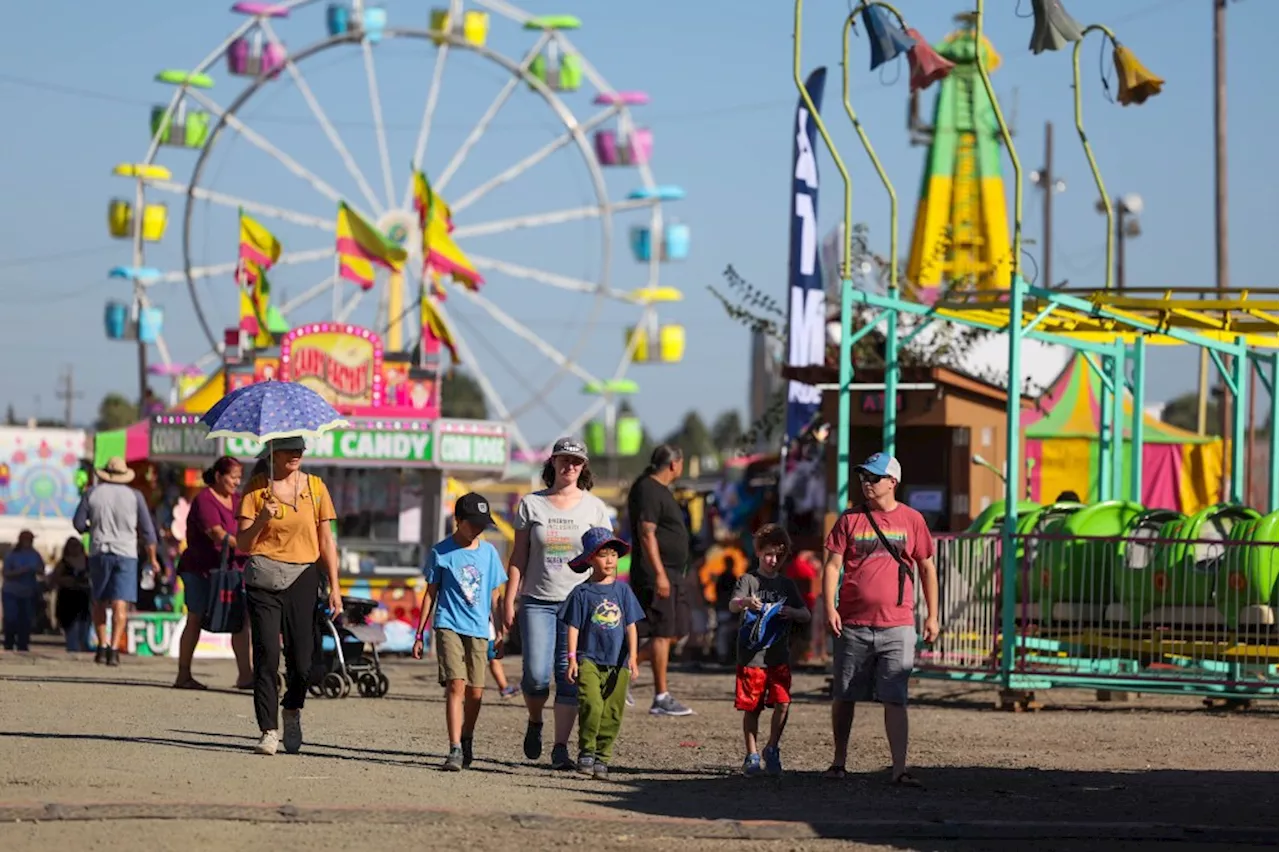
407,242
1111,595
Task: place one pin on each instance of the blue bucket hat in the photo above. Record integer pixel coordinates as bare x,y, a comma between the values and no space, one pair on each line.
593,541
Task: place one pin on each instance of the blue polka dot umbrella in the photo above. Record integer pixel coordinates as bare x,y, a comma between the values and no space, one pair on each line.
268,410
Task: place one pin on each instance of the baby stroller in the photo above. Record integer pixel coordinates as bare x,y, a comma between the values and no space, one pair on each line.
348,652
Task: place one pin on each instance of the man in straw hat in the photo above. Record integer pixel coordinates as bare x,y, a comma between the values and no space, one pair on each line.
114,514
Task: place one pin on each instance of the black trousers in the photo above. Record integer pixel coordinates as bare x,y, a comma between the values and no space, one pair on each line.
291,614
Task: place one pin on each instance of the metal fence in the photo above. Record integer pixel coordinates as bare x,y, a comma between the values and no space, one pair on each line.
1139,613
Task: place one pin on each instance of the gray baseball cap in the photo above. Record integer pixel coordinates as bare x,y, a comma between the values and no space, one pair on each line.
569,447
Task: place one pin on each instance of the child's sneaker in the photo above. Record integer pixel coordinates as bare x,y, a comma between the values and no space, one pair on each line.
468,751
773,760
751,766
601,771
453,763
586,763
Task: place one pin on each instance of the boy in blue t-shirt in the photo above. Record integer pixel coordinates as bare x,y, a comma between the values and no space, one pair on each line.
600,614
463,577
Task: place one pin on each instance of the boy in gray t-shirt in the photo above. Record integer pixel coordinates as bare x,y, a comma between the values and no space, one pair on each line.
770,603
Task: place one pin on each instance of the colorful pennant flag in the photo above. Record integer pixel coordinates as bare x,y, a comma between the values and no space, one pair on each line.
440,254
259,248
360,246
435,329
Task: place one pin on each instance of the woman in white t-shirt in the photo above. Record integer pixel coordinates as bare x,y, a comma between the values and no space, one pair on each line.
549,527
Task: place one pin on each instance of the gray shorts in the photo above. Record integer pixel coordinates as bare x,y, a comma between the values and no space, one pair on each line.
873,664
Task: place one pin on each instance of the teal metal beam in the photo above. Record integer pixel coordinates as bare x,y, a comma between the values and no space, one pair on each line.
1038,318
875,300
846,379
1228,376
1259,359
1273,441
1099,370
1136,323
890,433
1117,421
1240,424
918,330
1137,437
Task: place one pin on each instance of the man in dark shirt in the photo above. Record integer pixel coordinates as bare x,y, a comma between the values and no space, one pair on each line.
659,567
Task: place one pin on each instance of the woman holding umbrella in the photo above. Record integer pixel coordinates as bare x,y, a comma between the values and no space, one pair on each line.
282,523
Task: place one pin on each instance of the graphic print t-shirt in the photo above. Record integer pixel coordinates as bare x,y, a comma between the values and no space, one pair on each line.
555,537
467,579
769,590
602,612
869,589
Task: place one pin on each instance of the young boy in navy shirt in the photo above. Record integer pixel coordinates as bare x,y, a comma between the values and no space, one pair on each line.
463,577
770,603
601,615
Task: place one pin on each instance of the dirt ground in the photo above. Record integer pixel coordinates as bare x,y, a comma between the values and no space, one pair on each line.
108,759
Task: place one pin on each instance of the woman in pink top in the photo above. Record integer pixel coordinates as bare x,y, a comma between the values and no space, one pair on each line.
210,521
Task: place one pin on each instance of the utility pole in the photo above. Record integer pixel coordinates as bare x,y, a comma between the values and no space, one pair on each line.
67,393
1050,184
1219,211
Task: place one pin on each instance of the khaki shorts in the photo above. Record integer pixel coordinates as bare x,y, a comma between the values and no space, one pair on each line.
462,658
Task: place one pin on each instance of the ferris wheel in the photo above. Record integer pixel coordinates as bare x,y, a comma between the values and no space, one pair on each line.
597,263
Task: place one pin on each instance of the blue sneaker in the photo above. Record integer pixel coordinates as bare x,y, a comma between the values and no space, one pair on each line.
751,766
773,761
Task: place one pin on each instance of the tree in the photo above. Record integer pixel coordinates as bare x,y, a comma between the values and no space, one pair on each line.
10,416
695,442
1182,411
726,432
115,411
461,396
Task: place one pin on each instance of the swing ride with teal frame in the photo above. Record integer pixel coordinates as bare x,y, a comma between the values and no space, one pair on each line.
1114,329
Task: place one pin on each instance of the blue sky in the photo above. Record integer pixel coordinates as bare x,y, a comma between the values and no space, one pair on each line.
78,97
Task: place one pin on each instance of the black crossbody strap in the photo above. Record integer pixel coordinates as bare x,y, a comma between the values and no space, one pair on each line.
904,569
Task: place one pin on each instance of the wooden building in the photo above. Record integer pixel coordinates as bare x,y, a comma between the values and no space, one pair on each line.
951,437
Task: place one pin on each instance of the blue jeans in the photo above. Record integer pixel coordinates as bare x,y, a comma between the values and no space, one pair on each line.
544,640
19,617
77,634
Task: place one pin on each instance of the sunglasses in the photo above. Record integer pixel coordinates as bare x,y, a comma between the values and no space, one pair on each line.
870,478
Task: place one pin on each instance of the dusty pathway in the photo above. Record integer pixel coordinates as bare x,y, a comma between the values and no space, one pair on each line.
113,758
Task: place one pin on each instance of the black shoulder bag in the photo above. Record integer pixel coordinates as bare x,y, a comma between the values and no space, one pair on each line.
225,611
904,568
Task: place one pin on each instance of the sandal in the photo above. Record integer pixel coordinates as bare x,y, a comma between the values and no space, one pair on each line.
189,683
835,772
906,779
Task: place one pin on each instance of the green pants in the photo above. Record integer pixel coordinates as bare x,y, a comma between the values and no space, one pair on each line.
602,696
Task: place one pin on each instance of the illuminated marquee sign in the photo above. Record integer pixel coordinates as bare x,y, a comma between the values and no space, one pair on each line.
341,362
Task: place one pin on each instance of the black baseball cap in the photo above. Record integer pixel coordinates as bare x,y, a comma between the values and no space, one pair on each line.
474,508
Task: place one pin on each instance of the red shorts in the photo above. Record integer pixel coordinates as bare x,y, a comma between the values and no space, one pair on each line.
758,688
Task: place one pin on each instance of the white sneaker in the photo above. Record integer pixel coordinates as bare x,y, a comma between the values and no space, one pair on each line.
292,731
269,743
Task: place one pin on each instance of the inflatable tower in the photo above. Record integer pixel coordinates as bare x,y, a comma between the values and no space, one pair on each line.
961,234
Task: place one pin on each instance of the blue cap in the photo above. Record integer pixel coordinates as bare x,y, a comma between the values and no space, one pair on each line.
593,541
882,464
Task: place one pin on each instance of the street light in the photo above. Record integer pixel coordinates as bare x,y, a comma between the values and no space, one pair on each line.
1128,207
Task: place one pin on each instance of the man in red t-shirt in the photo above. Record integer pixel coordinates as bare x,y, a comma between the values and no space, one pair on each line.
873,614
